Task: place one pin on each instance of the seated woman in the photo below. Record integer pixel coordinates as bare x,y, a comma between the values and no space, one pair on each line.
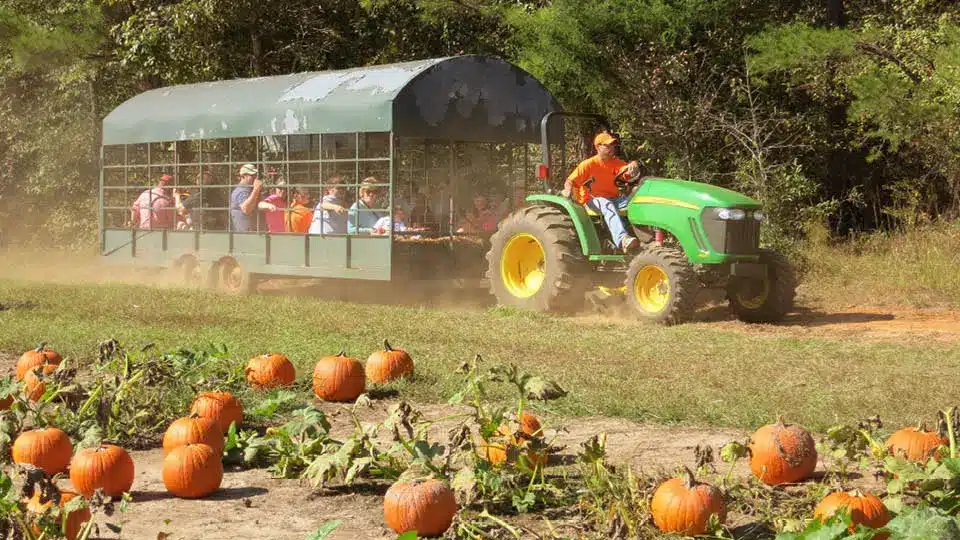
382,226
481,219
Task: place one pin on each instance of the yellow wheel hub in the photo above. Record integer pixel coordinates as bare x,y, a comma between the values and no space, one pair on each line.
522,265
652,289
753,295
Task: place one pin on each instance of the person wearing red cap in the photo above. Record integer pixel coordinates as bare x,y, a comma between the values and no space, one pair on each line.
153,208
602,195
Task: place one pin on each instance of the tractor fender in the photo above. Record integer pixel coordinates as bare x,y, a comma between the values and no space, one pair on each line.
589,241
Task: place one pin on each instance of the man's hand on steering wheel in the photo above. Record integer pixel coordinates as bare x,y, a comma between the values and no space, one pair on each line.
628,176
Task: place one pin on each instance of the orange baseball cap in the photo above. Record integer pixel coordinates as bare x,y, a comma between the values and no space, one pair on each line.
604,138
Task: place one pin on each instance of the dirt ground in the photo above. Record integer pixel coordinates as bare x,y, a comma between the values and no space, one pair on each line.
251,504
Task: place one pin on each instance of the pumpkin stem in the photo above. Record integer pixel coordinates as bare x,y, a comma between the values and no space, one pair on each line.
921,426
41,346
342,353
690,479
386,346
781,421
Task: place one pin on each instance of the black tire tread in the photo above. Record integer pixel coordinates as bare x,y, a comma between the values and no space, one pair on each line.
684,284
555,231
782,294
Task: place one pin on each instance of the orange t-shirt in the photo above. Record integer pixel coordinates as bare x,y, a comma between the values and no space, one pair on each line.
602,171
299,218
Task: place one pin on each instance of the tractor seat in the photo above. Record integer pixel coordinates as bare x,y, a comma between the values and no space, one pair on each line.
593,213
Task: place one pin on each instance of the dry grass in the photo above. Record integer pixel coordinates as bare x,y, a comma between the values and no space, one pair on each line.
914,268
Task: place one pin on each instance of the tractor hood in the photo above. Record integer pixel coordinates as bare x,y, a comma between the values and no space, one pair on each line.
690,194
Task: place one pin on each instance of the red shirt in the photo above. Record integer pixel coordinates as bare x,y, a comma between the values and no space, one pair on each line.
603,171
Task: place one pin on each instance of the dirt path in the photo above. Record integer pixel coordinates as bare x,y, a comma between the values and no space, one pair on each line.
250,504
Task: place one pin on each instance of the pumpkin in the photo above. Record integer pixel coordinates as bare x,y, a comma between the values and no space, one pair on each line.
865,509
107,467
388,365
530,425
48,448
221,407
915,443
192,471
75,519
49,359
496,452
782,453
338,378
33,385
425,506
683,505
192,429
270,371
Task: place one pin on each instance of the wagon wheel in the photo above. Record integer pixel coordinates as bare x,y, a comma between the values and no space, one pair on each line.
234,279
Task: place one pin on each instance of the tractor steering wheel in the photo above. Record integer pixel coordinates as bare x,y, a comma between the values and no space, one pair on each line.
622,182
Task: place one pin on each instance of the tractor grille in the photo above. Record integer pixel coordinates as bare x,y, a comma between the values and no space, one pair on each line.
738,237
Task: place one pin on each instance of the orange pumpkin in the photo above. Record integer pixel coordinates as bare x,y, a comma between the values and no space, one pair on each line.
192,471
221,407
782,453
425,506
75,519
48,448
496,452
388,365
338,378
915,443
107,467
865,509
683,505
33,385
192,429
49,359
530,425
270,371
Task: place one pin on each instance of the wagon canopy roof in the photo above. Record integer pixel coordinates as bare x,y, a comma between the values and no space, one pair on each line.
473,98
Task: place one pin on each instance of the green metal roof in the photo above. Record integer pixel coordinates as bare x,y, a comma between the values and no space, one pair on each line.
462,98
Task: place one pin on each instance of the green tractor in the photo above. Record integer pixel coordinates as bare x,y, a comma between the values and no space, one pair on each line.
549,254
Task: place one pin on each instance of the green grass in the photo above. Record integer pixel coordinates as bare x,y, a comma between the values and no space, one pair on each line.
693,374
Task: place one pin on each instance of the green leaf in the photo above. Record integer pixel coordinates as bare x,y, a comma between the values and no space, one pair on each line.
324,530
409,535
542,389
924,522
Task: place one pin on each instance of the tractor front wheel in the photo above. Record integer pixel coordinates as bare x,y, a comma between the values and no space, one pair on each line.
661,286
764,300
535,261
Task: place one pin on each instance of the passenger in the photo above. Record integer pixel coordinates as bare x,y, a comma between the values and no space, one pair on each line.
213,203
329,216
519,200
603,195
153,208
185,204
480,219
243,198
298,218
274,204
382,226
362,216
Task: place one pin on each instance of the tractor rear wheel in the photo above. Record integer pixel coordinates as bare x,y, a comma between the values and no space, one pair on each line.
662,286
767,299
535,261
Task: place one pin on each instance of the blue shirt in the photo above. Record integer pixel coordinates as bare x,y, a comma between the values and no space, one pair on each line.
239,221
365,218
327,222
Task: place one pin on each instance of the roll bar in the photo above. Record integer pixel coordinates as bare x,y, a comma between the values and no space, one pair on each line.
546,165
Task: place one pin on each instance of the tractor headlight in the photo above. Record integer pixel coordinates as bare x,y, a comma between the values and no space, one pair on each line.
759,216
731,214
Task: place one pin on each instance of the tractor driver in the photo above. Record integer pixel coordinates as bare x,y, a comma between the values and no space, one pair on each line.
602,195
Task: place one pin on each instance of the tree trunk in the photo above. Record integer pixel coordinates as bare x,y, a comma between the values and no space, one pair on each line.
836,15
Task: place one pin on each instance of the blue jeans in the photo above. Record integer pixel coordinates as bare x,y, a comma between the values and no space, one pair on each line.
608,208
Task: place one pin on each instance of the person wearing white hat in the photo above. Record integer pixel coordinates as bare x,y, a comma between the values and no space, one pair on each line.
243,198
